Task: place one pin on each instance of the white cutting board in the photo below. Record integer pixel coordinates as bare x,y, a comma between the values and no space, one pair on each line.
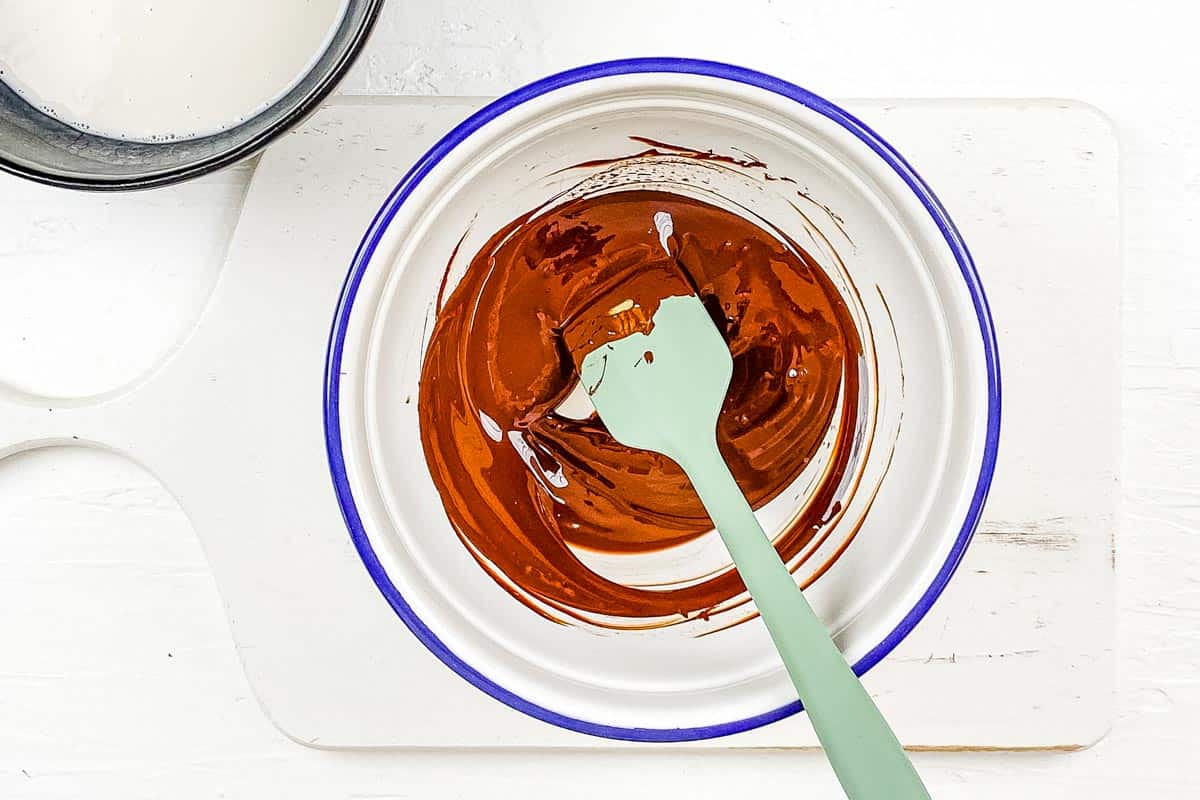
1017,653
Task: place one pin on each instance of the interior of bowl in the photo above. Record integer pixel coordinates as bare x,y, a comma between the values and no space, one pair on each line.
922,437
38,146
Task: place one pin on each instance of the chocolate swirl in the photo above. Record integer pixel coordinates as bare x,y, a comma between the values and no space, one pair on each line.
530,489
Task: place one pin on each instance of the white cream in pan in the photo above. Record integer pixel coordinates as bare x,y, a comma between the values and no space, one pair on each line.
154,70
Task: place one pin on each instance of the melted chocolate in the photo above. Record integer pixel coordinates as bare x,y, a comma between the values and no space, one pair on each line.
527,488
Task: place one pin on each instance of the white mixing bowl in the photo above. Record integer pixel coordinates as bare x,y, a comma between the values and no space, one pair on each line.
926,438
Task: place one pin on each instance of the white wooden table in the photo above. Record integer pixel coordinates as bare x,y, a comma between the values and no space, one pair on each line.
118,678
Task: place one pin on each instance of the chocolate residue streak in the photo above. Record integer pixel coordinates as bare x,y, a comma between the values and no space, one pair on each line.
528,489
441,295
657,148
700,155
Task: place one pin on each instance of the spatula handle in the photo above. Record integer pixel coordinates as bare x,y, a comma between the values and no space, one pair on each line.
865,754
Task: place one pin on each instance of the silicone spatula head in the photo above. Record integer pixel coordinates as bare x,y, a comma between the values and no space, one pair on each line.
657,383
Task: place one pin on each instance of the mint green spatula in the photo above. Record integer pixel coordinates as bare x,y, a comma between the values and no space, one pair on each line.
662,391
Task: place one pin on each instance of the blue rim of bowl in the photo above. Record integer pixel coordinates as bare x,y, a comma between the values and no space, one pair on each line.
366,249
